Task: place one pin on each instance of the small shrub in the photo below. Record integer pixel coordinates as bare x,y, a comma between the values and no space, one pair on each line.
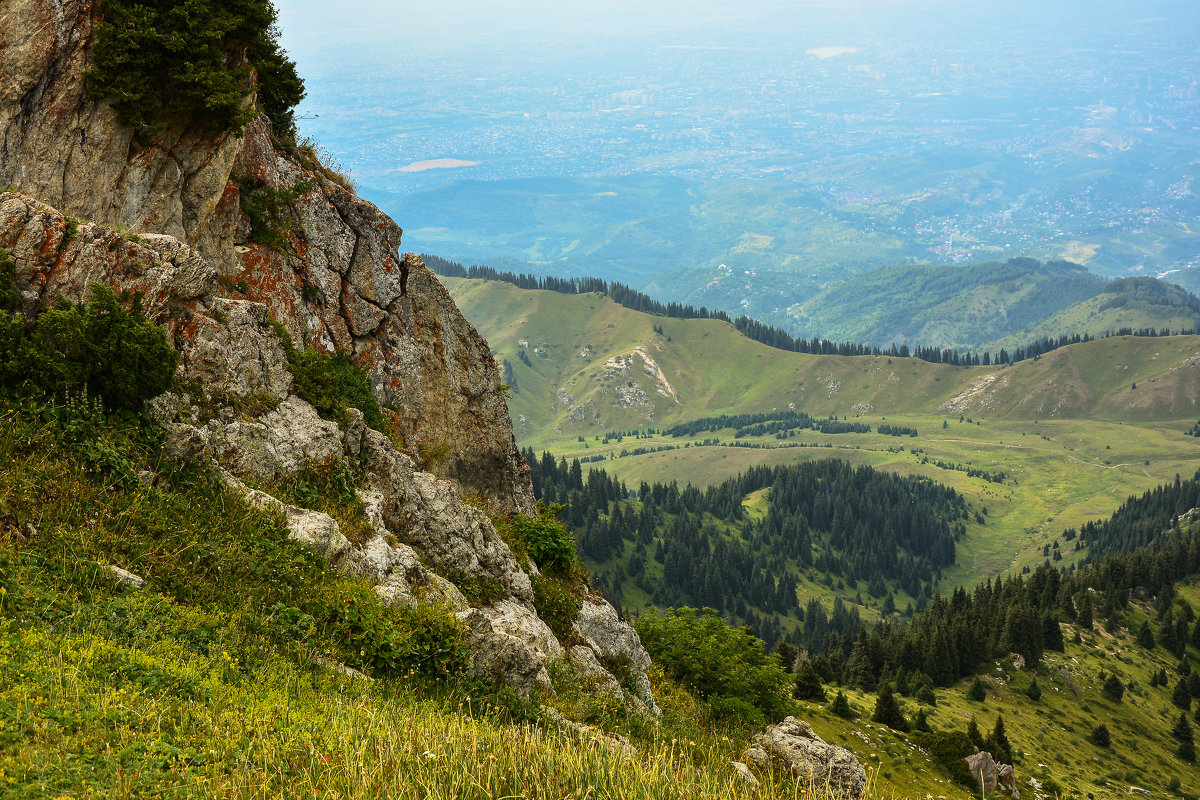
272,213
558,604
422,639
735,709
333,383
546,540
96,347
977,691
136,61
949,750
841,706
713,659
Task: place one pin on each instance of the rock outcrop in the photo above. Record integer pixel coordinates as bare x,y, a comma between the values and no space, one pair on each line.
794,746
170,219
989,773
334,280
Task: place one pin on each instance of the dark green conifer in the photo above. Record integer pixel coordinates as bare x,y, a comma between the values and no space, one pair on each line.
1083,615
1145,636
807,685
1034,692
977,691
1113,688
1183,734
1182,696
1100,736
998,744
841,706
887,710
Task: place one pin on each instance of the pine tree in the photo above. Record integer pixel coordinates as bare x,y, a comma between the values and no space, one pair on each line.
1183,734
1034,692
1100,736
998,744
1083,617
977,692
1182,696
974,735
841,706
808,684
1145,636
1113,688
887,710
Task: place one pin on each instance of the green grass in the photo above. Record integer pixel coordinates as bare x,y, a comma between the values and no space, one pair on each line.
216,680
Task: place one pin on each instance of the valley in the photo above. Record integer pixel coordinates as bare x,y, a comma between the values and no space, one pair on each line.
1074,432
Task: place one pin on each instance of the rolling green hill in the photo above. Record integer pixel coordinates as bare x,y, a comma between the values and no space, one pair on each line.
1132,303
616,369
1069,428
959,307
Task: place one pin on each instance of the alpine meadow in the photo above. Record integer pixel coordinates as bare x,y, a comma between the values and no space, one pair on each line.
774,400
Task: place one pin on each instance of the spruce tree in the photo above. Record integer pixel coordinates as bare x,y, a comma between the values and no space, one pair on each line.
977,691
974,735
998,744
841,706
1100,736
1114,689
1183,734
1182,696
807,685
1034,692
1083,617
1145,636
887,710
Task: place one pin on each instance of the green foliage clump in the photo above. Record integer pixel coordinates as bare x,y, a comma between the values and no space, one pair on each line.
557,603
807,684
976,691
326,486
1113,688
333,383
272,213
420,639
709,657
841,706
1182,732
949,750
9,299
160,60
95,347
546,540
1100,736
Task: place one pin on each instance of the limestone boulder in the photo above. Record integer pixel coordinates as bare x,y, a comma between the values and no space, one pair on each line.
794,746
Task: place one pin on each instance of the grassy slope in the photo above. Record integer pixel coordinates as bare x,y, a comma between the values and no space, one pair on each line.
961,307
110,692
1068,428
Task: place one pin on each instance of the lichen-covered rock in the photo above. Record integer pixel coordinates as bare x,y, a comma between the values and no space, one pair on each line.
457,540
503,656
617,646
283,439
177,233
71,151
794,746
989,773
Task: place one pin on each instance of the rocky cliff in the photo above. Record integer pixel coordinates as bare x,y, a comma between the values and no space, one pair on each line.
183,220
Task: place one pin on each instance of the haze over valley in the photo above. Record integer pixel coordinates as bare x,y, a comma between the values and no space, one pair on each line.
796,144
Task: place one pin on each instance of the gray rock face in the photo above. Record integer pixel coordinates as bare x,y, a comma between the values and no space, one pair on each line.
340,283
616,646
794,746
988,773
72,152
